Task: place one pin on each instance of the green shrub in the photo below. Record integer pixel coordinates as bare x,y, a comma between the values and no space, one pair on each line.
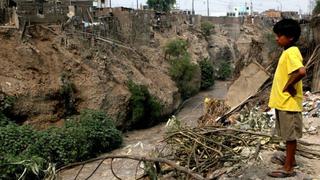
66,96
225,71
85,136
182,72
161,5
14,142
176,48
316,9
207,79
61,145
144,109
3,120
206,28
100,131
21,167
6,103
16,139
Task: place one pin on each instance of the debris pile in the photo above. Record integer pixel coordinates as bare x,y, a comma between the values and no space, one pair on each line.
215,150
253,119
206,150
311,105
213,109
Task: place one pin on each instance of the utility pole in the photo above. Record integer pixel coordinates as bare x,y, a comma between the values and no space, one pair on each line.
110,4
280,4
310,5
137,4
245,8
208,8
178,4
251,8
192,8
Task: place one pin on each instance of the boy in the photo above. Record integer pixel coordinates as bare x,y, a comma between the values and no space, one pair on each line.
286,93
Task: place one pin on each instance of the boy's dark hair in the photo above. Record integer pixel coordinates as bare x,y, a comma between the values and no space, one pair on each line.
288,27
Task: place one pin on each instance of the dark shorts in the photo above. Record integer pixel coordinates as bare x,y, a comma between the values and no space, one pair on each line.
289,125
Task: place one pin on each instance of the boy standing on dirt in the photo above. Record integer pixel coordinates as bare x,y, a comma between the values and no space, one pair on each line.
286,93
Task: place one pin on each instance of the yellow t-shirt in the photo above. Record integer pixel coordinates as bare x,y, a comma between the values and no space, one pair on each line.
290,61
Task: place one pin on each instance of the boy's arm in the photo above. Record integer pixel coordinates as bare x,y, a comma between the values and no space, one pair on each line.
295,77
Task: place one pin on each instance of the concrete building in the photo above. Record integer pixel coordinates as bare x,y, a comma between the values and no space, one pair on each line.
290,14
271,13
42,11
240,11
100,3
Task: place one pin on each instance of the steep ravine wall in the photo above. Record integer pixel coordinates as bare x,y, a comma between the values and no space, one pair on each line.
54,76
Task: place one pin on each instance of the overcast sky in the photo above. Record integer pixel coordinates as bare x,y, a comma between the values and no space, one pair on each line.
218,7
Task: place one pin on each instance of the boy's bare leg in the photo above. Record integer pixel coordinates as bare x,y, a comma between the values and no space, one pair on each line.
290,157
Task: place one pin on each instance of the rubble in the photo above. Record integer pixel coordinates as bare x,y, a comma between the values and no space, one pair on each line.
311,104
254,119
213,109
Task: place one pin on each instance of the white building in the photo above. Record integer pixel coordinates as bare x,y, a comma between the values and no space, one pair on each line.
240,11
101,3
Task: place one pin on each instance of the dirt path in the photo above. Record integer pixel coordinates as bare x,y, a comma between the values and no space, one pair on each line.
143,142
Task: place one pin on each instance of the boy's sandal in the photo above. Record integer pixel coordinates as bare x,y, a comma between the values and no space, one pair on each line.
280,159
281,173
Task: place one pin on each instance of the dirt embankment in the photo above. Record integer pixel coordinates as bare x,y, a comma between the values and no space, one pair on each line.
54,75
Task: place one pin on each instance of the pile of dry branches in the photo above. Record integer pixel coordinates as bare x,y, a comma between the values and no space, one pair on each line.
205,150
213,151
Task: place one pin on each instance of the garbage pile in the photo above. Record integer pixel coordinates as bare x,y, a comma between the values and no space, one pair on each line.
311,105
247,119
253,119
213,110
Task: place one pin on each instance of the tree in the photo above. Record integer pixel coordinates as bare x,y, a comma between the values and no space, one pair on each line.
316,9
161,5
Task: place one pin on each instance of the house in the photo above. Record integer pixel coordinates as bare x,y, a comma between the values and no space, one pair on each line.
271,13
240,11
41,11
290,14
8,16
